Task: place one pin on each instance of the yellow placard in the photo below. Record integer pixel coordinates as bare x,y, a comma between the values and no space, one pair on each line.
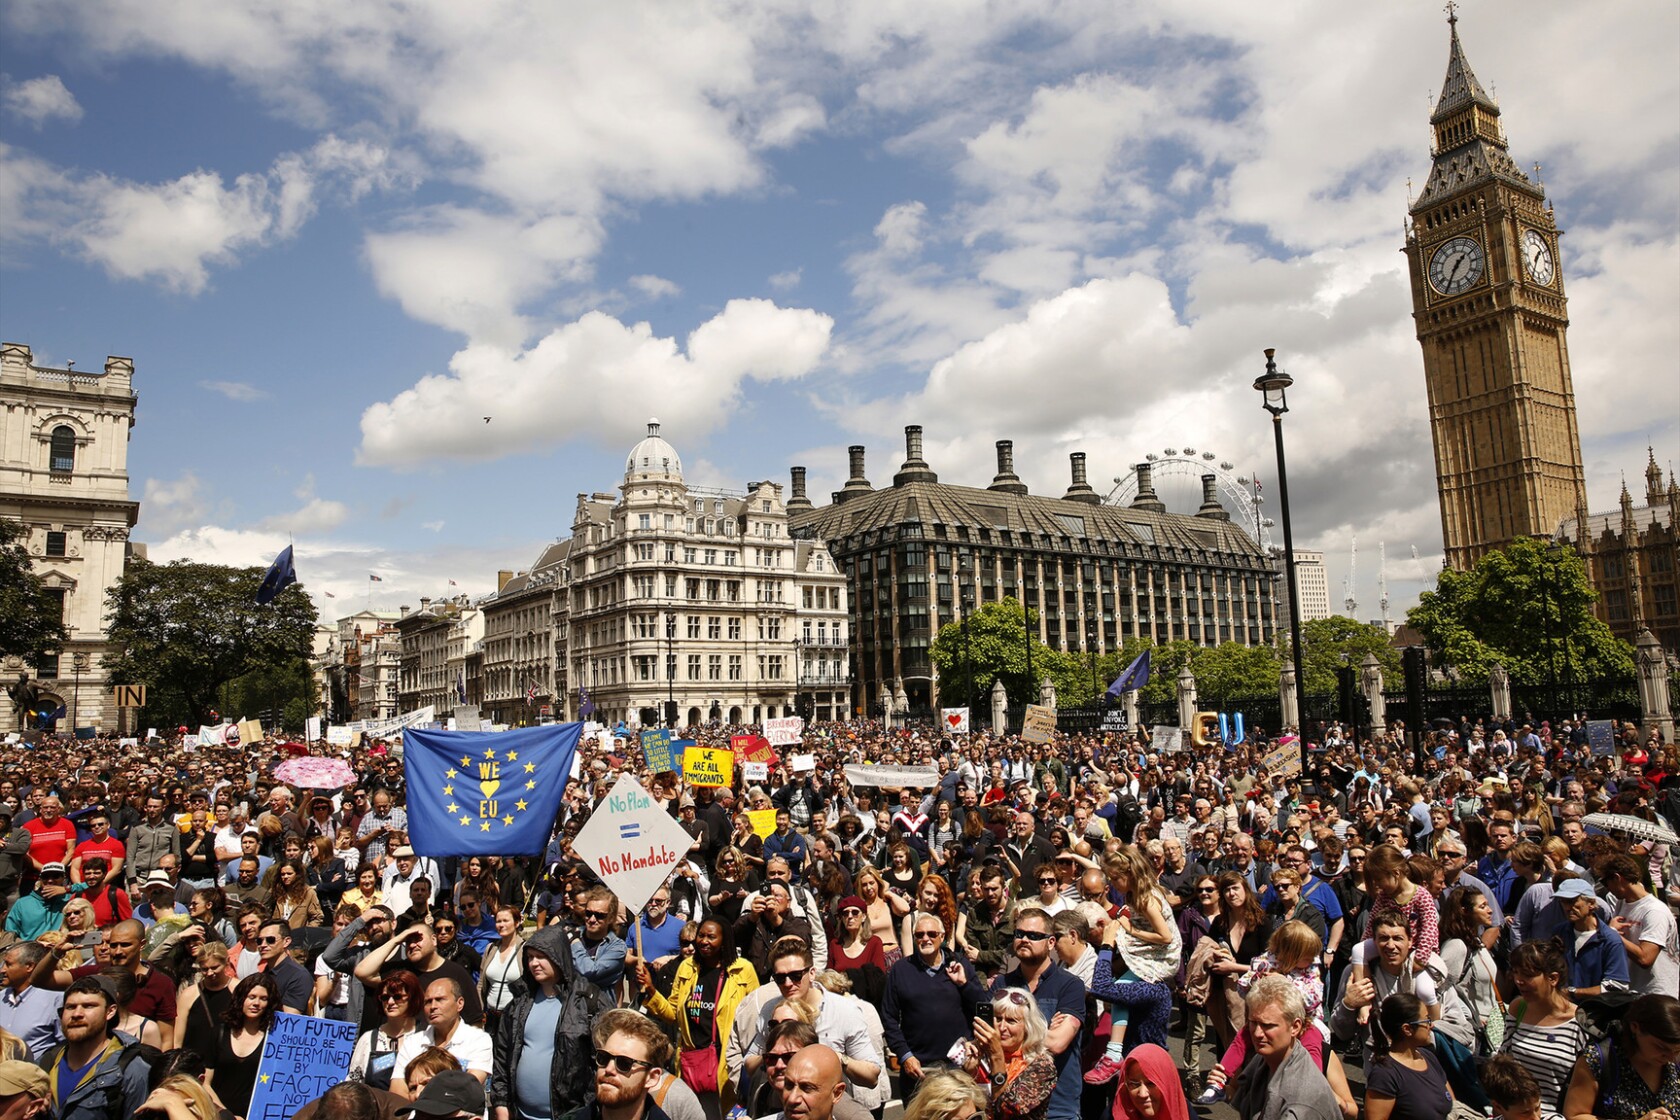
763,821
1039,726
708,766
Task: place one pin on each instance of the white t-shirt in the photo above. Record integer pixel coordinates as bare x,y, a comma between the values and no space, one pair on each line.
470,1045
1653,922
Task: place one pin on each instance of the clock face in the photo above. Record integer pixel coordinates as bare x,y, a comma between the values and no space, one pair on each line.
1456,266
1537,258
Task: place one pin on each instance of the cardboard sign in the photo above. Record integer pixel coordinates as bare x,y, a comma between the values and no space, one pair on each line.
1166,740
954,721
312,728
803,763
784,732
763,821
632,843
339,736
302,1057
755,771
656,748
1039,724
708,766
753,748
1283,760
1601,737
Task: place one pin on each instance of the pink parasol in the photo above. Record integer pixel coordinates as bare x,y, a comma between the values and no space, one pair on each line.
315,773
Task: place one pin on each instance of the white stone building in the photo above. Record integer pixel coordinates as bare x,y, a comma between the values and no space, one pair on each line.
64,475
693,597
523,677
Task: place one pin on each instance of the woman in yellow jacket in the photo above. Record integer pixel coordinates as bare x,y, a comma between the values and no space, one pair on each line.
705,993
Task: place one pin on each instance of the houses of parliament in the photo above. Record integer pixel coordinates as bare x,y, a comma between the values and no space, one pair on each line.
1492,315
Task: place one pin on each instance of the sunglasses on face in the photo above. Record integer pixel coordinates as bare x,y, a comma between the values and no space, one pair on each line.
596,916
778,1058
793,977
1031,935
685,944
619,1062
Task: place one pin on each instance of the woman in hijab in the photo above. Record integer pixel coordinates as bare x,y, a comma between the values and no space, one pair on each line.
1149,1087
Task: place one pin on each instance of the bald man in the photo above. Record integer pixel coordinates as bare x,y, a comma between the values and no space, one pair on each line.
815,1084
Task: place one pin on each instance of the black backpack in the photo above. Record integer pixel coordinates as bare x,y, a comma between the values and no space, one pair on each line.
1128,814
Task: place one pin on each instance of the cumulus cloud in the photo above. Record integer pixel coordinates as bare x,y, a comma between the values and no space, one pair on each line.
786,281
575,381
655,287
40,100
168,505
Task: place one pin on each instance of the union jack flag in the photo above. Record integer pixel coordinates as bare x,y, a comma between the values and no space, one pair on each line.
530,693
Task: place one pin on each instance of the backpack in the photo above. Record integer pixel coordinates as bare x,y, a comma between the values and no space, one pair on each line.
134,1051
1128,814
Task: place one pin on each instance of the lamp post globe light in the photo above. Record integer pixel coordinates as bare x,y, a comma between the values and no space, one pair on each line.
1273,386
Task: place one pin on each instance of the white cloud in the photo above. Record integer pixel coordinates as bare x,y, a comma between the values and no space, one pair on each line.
317,515
168,505
574,382
235,390
432,526
655,287
40,100
786,281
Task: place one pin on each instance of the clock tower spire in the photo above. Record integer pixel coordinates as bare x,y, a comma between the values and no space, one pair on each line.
1491,316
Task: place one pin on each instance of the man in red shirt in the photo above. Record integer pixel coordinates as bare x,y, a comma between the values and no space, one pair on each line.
51,836
101,843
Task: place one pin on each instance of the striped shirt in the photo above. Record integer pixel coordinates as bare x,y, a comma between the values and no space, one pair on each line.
1548,1053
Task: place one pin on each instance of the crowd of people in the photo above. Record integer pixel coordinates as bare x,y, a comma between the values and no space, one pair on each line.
1067,930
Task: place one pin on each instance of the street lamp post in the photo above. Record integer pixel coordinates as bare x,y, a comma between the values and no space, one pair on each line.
671,669
79,662
962,606
799,677
1273,385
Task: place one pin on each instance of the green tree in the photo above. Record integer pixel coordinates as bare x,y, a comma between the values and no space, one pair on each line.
1234,670
994,646
1527,607
187,629
286,688
31,618
1329,643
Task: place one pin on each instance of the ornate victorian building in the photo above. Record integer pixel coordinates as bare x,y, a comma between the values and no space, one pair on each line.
1631,557
1490,310
922,553
64,476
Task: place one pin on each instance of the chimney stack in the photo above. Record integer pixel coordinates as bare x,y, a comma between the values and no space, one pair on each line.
857,485
1210,500
1006,480
798,503
502,578
915,468
1146,497
1080,490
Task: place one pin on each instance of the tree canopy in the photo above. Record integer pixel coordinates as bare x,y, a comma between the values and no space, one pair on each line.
1528,607
186,629
1329,643
31,617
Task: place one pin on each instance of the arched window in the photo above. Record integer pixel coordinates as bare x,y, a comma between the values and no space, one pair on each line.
63,449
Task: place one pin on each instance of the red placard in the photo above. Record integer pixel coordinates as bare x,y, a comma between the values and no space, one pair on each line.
753,748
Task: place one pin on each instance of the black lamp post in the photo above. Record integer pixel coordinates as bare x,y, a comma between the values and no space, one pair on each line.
671,669
1273,385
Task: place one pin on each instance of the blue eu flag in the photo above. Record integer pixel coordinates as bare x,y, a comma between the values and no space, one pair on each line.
280,575
1135,676
485,793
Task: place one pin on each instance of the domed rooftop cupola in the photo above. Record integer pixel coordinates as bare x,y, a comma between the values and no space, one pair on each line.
653,460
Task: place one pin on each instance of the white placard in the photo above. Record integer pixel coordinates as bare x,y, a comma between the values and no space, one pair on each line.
803,763
755,771
631,843
339,736
1166,739
312,729
903,777
151,733
954,721
784,732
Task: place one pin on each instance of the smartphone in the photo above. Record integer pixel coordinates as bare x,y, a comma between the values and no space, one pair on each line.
984,1012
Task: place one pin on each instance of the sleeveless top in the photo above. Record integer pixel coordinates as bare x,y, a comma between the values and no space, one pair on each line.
499,975
1153,964
204,1023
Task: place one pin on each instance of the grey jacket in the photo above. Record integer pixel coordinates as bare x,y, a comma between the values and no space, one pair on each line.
1297,1091
149,843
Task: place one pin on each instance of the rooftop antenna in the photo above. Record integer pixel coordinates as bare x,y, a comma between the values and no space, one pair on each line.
1349,603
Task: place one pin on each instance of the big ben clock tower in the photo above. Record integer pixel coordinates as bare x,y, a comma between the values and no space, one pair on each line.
1487,297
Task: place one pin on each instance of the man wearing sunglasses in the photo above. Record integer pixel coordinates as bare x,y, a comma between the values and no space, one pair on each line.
840,1022
599,954
630,1053
1061,998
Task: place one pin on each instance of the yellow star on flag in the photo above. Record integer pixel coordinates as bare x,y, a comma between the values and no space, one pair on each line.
513,756
484,827
508,820
466,760
530,785
452,809
464,821
530,768
449,791
520,805
489,752
449,773
265,1079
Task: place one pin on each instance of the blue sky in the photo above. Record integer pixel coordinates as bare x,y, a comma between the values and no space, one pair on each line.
335,237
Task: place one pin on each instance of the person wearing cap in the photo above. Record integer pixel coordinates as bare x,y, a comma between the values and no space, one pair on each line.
452,1093
42,909
404,870
1595,953
87,1077
25,1091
